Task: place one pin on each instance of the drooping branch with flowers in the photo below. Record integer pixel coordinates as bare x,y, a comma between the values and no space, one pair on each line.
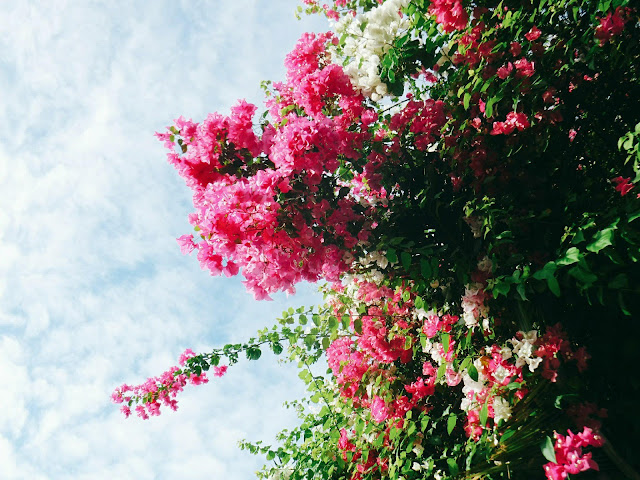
463,177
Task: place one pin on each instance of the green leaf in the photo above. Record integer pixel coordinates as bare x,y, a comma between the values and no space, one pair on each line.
521,291
357,326
425,268
622,305
506,435
451,423
392,256
628,143
572,255
583,274
406,260
453,467
445,342
473,372
309,341
286,110
406,296
619,281
254,353
554,286
484,414
558,401
277,348
547,449
548,274
466,99
424,422
500,288
419,303
548,270
325,343
601,239
578,237
488,108
507,19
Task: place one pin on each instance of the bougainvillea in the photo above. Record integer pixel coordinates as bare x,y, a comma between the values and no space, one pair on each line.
462,175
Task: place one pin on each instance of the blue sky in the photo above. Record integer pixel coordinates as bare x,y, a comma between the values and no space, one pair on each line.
93,289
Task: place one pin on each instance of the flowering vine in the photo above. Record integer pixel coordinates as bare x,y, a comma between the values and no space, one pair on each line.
462,175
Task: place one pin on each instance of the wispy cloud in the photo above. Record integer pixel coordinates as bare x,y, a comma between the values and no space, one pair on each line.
93,289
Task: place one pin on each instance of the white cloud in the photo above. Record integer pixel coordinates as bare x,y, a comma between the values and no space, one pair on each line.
93,289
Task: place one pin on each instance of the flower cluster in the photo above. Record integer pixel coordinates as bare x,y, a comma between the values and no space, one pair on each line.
467,232
389,333
569,457
162,390
368,37
255,201
612,25
450,14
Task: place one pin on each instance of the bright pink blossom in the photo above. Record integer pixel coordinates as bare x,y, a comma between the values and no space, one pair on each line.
533,34
611,25
161,390
247,187
188,353
419,389
450,14
344,443
505,70
515,120
453,378
186,244
569,457
524,67
622,185
379,409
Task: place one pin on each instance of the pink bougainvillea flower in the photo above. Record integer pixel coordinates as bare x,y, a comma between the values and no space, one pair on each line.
611,25
379,409
161,390
344,443
622,185
505,70
186,244
188,353
515,120
524,67
569,457
453,378
219,371
450,14
533,34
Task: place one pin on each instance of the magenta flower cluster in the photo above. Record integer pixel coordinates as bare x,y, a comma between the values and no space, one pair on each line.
149,396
